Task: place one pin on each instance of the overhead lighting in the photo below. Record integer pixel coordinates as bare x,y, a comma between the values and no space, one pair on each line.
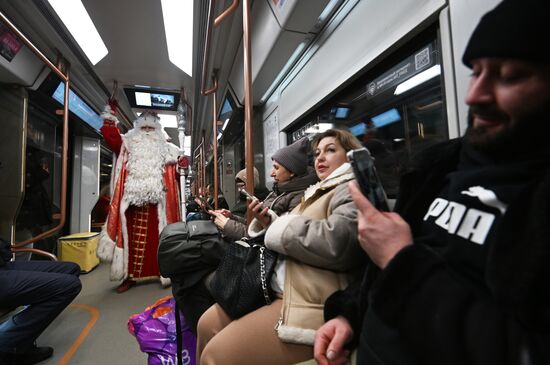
418,79
297,53
327,11
75,17
319,128
178,27
168,121
225,124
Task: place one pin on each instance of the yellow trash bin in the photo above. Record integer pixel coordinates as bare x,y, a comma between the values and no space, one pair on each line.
80,248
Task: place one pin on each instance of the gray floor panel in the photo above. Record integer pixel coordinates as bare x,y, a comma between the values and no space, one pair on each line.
108,341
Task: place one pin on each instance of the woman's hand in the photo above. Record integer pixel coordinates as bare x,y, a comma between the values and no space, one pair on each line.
381,234
259,212
219,219
330,339
226,213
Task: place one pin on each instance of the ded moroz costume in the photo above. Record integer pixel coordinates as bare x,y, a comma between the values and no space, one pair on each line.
145,195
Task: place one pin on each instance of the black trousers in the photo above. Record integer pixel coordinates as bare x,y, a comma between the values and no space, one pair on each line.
45,287
192,302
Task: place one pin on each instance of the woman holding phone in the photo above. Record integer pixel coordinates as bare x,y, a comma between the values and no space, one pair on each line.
292,176
318,255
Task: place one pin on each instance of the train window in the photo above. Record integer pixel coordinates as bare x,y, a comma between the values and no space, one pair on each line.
78,107
395,109
42,178
226,113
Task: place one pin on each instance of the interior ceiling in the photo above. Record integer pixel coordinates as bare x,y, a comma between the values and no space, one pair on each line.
133,32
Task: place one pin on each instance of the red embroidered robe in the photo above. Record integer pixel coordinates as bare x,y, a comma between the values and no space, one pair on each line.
130,237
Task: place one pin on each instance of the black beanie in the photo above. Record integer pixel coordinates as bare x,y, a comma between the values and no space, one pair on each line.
293,157
518,29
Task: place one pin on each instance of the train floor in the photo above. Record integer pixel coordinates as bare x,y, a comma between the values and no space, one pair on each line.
93,329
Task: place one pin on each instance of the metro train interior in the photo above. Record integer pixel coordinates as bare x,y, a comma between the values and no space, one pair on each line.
232,81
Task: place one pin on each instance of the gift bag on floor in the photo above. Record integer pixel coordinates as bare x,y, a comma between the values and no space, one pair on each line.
156,331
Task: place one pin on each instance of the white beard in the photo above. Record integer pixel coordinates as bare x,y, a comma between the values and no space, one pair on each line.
146,158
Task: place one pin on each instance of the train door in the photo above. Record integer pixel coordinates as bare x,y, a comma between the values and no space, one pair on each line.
14,109
40,206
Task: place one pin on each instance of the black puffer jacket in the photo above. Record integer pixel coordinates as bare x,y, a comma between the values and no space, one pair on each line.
423,310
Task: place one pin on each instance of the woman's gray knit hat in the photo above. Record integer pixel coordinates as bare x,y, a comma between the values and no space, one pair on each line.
294,156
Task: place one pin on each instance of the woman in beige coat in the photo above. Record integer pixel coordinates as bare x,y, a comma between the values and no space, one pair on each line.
319,253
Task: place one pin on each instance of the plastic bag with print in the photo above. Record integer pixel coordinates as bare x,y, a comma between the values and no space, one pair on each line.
155,331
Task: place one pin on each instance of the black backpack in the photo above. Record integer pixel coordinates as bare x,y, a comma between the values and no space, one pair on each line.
188,251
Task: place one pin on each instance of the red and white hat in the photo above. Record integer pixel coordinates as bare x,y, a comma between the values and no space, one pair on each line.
148,119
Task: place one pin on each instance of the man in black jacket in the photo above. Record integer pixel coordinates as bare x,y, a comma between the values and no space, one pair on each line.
460,273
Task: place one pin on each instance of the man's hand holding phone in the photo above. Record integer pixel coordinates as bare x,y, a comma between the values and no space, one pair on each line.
367,178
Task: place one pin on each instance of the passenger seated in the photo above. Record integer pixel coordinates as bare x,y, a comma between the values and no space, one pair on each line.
232,223
464,263
222,203
292,176
318,250
45,288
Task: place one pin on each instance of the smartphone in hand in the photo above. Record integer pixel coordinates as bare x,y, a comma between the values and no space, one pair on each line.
250,196
204,204
245,193
367,178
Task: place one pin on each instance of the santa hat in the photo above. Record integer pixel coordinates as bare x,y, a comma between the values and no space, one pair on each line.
514,29
148,119
108,114
293,157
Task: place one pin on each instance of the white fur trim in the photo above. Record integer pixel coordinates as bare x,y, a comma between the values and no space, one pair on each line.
117,271
274,234
106,247
148,119
146,159
108,114
172,154
165,282
300,336
125,238
161,213
256,229
341,174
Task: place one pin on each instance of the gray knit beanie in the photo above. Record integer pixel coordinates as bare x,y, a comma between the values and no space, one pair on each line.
294,156
241,175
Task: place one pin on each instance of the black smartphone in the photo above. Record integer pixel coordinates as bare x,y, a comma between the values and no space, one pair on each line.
206,207
367,178
246,194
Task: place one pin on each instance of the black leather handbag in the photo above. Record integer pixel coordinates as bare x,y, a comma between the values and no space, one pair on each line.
241,283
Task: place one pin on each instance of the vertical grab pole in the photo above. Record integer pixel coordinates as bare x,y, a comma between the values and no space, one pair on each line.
203,162
248,144
215,145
